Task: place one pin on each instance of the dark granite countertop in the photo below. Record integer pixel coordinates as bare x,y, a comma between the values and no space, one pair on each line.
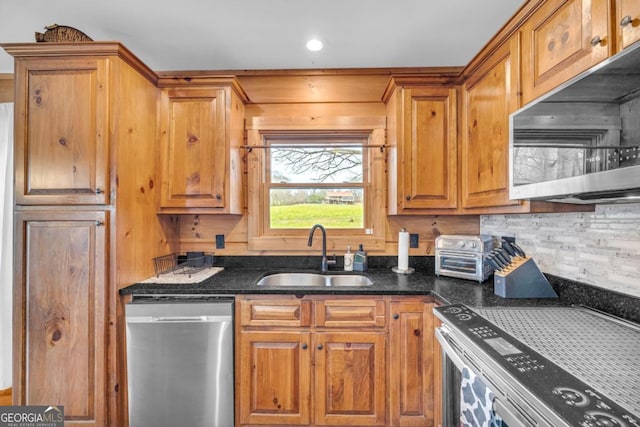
241,274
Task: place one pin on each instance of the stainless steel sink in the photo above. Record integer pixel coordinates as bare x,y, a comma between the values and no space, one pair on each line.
314,280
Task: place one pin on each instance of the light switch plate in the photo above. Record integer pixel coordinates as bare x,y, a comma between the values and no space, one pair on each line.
414,240
219,241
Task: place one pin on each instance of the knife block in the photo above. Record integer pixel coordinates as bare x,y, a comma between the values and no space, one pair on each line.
522,279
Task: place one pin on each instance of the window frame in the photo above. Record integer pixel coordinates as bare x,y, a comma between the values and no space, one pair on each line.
261,237
321,140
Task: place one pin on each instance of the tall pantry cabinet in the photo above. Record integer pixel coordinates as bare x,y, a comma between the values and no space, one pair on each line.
85,223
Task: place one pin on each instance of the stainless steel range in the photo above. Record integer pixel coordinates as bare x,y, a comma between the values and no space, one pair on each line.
547,366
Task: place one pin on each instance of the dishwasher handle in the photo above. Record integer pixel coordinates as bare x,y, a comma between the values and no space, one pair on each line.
178,319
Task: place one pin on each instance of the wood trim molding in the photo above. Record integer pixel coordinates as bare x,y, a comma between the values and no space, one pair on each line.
502,36
59,50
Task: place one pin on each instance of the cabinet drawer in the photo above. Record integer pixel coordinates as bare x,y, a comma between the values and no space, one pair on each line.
348,313
275,313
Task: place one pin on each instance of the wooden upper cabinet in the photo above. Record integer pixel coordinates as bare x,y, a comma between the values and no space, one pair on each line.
60,310
562,39
202,130
627,22
490,95
422,139
61,149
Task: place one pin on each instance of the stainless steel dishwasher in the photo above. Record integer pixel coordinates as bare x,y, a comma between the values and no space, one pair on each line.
180,361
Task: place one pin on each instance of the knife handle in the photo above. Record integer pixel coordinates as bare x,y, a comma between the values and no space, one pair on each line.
493,263
507,247
518,249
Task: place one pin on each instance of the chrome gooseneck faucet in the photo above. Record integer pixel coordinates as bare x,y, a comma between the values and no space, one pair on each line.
325,262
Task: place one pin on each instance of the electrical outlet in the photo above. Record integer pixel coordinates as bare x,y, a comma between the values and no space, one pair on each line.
509,239
219,241
414,240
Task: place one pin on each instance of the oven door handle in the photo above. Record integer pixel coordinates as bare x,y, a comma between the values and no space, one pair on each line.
442,334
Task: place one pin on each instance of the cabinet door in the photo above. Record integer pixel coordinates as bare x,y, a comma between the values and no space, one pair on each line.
275,377
428,159
560,40
193,148
627,22
490,95
350,386
60,309
410,364
61,132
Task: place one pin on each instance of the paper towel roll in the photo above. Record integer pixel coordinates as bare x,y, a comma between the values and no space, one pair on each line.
403,250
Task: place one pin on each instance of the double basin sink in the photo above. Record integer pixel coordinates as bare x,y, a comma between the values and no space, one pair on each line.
314,280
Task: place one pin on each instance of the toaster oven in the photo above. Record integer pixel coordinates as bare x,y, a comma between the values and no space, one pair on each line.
464,256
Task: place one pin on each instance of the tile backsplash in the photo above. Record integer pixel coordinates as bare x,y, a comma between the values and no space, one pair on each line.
601,248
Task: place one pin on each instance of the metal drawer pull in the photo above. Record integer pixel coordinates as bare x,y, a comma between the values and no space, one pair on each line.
626,21
596,41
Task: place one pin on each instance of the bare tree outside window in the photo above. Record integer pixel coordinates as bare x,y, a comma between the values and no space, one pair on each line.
312,183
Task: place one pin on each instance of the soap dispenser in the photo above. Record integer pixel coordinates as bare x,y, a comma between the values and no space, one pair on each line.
360,260
348,260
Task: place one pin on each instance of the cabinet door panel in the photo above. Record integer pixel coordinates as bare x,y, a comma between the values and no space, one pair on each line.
61,146
194,150
60,299
278,312
627,22
560,40
349,313
410,364
350,378
429,152
490,96
275,371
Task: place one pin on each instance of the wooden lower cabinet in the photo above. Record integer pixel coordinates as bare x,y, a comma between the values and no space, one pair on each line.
60,309
349,378
275,374
371,366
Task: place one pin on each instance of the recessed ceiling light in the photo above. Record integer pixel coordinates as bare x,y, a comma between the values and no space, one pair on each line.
314,45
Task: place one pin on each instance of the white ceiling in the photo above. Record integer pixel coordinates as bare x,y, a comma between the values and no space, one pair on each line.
270,34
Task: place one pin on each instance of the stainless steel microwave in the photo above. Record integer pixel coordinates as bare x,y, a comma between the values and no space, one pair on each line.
581,142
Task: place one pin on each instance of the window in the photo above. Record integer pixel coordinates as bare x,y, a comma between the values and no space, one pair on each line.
314,180
300,178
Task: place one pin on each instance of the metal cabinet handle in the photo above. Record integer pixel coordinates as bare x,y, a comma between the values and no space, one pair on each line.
99,191
626,21
218,197
396,316
596,41
99,223
319,346
304,346
408,198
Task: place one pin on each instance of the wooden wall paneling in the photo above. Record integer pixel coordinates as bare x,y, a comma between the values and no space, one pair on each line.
428,228
6,87
314,88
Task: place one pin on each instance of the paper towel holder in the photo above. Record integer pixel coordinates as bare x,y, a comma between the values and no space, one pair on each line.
397,269
409,270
